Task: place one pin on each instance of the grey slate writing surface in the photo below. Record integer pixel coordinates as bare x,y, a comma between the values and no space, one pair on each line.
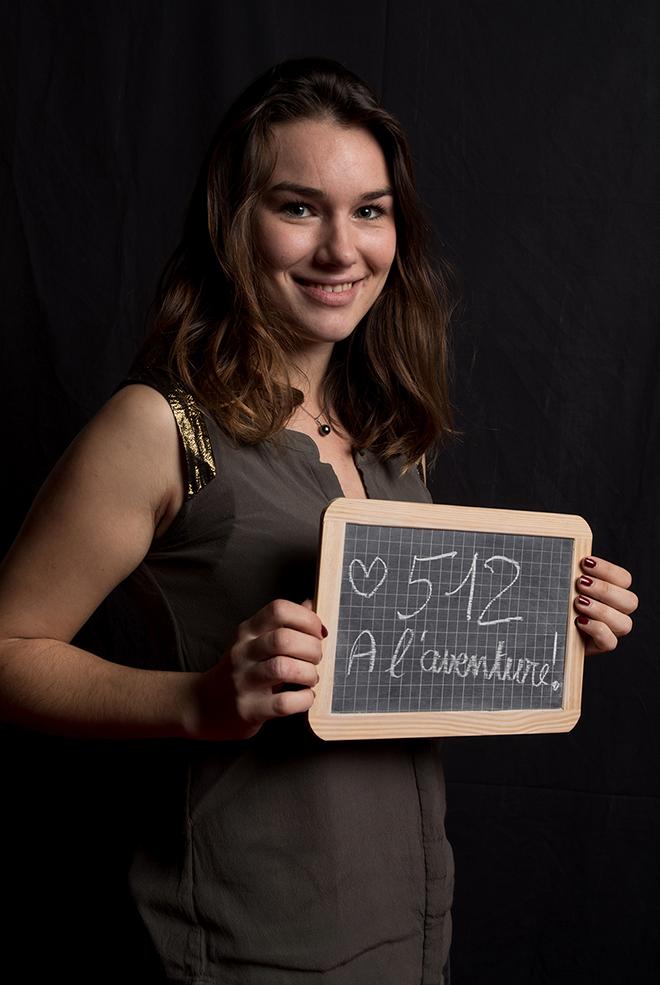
450,620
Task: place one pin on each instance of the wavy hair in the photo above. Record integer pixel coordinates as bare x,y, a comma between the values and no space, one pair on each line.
215,329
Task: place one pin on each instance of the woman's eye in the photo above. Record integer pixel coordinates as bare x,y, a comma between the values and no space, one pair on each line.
370,211
297,210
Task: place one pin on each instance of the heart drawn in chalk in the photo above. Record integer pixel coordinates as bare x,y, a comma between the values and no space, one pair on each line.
370,583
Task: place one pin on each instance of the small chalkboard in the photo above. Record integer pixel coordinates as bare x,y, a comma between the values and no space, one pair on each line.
446,620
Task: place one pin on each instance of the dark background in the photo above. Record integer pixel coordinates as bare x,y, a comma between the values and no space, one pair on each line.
536,130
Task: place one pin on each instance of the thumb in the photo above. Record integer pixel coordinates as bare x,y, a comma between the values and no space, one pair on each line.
308,604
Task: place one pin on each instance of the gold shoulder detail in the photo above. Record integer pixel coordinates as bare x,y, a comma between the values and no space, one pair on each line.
200,463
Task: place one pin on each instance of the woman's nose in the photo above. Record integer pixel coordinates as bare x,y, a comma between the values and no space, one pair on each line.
338,244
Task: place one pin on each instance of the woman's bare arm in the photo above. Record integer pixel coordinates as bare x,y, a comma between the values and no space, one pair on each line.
91,525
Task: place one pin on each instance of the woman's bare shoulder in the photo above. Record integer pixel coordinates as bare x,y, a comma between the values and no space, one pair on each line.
135,434
136,405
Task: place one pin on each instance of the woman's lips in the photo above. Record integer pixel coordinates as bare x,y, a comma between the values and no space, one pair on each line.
332,298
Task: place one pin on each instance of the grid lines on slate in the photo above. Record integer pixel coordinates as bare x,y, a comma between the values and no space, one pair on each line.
438,620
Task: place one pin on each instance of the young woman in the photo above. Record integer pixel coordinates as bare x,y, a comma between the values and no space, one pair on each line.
297,355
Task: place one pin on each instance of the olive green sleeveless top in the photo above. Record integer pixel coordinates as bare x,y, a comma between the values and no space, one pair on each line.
281,859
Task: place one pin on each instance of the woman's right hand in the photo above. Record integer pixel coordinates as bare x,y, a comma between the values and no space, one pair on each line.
280,645
119,485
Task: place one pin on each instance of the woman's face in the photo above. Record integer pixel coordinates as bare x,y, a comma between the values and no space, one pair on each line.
325,227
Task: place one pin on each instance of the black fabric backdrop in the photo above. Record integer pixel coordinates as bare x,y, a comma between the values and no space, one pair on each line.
536,136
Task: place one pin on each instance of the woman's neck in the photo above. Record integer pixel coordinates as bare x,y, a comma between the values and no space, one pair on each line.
308,376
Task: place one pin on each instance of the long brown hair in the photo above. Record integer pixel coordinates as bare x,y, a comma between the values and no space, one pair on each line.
215,329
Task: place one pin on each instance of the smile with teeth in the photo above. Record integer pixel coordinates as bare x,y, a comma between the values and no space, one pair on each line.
335,288
329,294
330,288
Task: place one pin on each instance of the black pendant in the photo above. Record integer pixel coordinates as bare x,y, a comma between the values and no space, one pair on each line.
324,430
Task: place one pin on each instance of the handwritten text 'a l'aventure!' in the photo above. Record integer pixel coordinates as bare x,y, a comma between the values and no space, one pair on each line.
520,670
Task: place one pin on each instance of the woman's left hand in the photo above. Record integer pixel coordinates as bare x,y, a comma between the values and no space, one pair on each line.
604,603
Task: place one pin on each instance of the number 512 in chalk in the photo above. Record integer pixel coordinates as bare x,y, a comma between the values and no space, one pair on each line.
446,620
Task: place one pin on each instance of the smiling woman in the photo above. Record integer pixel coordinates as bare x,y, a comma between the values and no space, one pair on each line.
305,217
297,355
327,253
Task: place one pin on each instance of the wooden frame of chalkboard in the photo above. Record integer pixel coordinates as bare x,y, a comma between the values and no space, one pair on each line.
447,620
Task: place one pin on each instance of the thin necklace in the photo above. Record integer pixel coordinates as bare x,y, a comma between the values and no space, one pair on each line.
324,429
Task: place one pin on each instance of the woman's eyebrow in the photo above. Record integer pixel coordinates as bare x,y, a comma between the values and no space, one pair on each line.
378,193
307,192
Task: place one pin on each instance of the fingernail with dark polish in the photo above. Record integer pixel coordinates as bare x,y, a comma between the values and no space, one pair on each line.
589,562
583,620
585,580
583,600
324,631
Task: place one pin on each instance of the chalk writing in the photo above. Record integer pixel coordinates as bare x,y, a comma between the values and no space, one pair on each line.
364,576
423,581
488,564
357,654
434,619
499,666
471,575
